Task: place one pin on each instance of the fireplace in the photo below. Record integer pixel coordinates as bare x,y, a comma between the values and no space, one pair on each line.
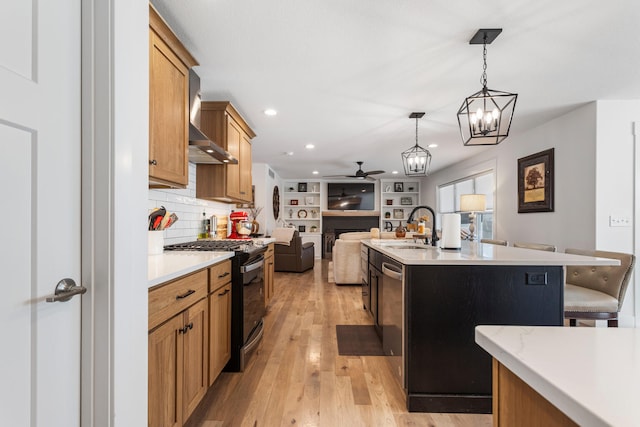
334,225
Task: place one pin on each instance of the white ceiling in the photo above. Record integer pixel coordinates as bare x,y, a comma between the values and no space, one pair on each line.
345,74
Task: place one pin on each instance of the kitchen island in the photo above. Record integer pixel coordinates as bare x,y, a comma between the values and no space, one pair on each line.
430,300
588,375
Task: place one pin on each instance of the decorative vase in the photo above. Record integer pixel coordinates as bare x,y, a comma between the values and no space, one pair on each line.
400,231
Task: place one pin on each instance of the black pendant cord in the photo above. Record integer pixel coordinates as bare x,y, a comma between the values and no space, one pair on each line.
416,131
483,77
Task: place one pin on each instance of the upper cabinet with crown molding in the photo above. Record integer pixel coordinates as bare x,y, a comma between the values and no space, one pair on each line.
169,63
226,183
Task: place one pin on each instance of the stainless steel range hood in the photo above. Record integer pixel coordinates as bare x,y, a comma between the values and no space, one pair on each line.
201,148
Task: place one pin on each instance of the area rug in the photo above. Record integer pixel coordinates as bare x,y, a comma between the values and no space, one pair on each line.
358,340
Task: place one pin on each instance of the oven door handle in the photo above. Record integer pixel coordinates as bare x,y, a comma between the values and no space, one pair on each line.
253,266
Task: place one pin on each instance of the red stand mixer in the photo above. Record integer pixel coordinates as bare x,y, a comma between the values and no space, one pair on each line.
240,225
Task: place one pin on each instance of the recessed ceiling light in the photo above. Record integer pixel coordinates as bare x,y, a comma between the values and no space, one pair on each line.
395,172
270,112
315,172
309,146
432,145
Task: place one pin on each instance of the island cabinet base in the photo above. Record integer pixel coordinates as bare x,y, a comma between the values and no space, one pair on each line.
445,370
517,404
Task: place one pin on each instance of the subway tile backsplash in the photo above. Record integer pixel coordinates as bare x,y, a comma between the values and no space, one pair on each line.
183,203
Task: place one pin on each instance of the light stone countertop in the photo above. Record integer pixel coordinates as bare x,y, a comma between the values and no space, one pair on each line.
263,240
173,264
590,374
476,253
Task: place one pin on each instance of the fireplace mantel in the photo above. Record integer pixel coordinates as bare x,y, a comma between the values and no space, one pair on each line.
351,213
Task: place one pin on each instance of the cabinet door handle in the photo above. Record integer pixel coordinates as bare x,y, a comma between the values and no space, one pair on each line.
186,328
153,162
225,274
226,291
186,294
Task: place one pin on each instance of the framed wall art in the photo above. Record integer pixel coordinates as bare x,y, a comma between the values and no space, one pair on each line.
535,182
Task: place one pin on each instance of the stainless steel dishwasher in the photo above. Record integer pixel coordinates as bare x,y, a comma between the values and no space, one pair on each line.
392,317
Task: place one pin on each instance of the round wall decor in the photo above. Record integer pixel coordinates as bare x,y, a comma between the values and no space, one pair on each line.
276,203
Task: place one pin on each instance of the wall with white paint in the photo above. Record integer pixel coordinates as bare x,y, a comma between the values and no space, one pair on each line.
615,193
573,220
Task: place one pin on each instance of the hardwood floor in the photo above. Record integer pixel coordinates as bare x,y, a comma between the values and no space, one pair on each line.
296,376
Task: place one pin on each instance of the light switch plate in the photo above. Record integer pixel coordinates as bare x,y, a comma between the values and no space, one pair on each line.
619,221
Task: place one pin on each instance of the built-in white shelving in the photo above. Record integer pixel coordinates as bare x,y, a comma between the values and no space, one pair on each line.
398,197
301,208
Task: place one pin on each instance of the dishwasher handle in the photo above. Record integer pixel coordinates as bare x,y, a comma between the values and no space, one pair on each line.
392,271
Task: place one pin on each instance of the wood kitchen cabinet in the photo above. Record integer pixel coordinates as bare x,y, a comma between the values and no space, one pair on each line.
178,349
515,403
165,374
227,182
269,268
219,318
196,364
169,63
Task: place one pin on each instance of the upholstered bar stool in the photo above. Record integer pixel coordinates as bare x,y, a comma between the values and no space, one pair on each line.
597,292
536,246
495,242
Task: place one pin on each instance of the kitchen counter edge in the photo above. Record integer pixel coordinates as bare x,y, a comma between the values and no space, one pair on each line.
172,265
475,253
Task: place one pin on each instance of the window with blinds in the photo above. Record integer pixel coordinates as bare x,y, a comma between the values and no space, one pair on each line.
449,201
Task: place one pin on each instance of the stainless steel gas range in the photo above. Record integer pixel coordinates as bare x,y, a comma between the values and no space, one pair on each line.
247,295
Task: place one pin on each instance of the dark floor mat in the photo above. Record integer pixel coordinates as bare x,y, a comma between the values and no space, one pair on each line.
358,340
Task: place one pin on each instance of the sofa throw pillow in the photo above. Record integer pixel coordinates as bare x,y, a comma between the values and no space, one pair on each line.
283,236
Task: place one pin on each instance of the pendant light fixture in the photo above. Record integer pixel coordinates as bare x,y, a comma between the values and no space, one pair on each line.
485,117
416,160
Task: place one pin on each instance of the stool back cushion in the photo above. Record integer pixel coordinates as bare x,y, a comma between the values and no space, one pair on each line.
610,279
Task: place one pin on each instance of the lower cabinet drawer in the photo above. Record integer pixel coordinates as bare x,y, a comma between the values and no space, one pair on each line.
219,274
167,300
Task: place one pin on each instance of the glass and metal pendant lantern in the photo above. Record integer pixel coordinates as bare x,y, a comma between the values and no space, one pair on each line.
416,160
485,117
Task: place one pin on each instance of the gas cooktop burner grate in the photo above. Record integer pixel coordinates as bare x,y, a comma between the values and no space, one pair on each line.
210,245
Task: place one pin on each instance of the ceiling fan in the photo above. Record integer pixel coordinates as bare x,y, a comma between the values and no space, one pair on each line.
359,174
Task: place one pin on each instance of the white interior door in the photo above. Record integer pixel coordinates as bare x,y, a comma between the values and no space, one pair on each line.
40,172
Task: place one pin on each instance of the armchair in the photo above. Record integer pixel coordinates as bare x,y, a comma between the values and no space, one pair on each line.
295,257
346,258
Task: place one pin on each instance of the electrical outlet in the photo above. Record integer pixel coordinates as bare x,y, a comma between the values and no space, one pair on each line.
619,221
536,278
